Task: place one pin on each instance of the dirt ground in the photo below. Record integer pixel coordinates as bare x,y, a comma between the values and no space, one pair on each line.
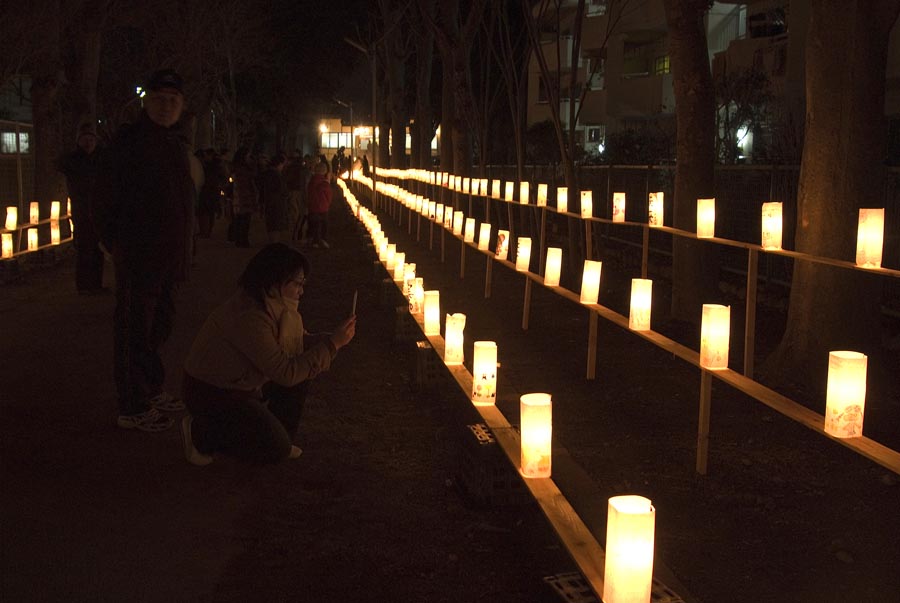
372,510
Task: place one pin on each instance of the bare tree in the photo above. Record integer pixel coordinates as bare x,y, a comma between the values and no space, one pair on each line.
423,128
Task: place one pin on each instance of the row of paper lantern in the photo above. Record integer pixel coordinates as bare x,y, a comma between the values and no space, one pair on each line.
7,244
845,398
34,213
870,230
631,519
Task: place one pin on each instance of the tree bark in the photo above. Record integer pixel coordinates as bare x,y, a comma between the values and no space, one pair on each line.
45,85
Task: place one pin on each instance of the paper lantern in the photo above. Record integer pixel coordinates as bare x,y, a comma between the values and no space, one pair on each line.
655,209
845,397
502,244
590,282
445,178
618,207
458,220
432,209
71,228
457,183
524,193
439,213
68,206
523,254
476,186
553,267
466,187
34,215
469,236
706,218
448,218
641,304
870,238
54,210
536,417
587,204
484,236
508,191
630,527
12,218
432,306
542,195
483,186
389,258
409,275
399,265
7,245
54,232
32,239
715,329
562,199
453,338
382,250
484,373
417,296
495,189
772,225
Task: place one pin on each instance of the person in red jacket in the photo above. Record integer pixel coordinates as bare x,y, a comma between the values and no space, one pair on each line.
319,198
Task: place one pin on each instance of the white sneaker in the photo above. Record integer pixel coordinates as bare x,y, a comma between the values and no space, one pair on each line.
150,421
166,402
193,456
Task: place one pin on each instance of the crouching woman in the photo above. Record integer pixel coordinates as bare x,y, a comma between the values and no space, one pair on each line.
247,372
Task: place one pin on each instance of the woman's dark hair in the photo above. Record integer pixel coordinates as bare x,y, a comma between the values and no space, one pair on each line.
273,265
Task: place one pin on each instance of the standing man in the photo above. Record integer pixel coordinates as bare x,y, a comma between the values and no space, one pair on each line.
81,168
144,214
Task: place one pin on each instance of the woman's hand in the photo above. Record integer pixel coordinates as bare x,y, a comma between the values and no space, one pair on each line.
344,332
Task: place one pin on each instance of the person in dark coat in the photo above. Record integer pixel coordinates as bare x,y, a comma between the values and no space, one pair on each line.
275,199
245,195
145,218
209,203
81,169
319,197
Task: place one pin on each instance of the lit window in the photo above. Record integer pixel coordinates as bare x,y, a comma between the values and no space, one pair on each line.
661,65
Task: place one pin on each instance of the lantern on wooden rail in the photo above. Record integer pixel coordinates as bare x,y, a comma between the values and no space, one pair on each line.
439,213
618,213
453,338
469,236
655,209
448,218
870,238
715,329
502,244
524,193
587,204
484,236
475,186
590,282
508,191
630,528
54,232
12,217
7,245
432,305
34,215
484,187
457,183
417,296
641,304
772,225
399,265
458,221
466,186
68,206
845,397
32,239
382,249
523,254
706,218
536,417
562,199
553,267
409,275
542,195
54,210
495,189
391,255
484,373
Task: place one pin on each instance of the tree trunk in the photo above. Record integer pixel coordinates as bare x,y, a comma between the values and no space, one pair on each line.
695,268
842,170
46,81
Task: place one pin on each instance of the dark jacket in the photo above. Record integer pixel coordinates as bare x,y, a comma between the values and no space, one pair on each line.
319,194
82,171
145,195
274,197
246,195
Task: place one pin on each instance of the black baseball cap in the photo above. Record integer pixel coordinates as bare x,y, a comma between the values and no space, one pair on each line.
165,78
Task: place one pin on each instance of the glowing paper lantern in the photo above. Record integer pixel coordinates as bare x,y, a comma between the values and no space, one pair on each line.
35,214
483,186
562,199
655,210
630,527
445,178
7,245
457,183
391,255
706,218
409,275
54,232
432,209
453,338
439,213
618,207
12,218
448,218
466,187
495,189
484,236
554,266
458,221
590,282
524,193
32,239
542,195
469,236
502,244
641,304
417,296
523,254
432,305
715,330
399,265
587,204
536,416
772,225
383,250
484,373
870,238
845,398
475,186
54,210
508,191
69,205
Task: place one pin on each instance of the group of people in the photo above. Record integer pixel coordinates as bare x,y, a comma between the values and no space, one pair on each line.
246,374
